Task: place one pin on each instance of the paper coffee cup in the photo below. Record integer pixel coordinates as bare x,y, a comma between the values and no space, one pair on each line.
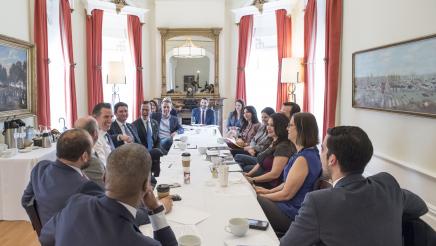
163,190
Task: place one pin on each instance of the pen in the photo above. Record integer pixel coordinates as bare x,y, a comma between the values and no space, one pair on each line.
170,165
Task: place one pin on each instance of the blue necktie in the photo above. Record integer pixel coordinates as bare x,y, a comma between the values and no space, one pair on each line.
149,138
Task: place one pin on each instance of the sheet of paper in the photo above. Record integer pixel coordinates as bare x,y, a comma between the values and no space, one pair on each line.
234,168
251,240
186,215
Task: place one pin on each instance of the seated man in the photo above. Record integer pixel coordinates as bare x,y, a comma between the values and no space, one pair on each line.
148,132
289,109
109,219
122,132
95,168
102,112
53,183
357,210
203,114
168,125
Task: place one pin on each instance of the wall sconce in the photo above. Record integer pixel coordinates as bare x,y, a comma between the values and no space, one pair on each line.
291,71
116,75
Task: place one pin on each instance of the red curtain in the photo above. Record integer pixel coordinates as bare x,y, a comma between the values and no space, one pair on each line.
66,36
309,35
94,25
134,27
41,41
284,44
332,50
245,33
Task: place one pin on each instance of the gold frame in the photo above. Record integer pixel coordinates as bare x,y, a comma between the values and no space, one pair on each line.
31,78
167,33
393,110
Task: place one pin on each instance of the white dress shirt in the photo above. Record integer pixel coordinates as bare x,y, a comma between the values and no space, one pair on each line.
102,147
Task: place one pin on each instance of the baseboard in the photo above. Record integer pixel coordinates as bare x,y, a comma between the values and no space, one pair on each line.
420,182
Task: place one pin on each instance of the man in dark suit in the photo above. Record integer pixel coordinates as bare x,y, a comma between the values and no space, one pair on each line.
52,183
148,133
95,168
109,220
122,132
203,114
357,210
168,125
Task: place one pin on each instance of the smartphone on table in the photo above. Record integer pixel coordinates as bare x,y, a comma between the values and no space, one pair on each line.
258,224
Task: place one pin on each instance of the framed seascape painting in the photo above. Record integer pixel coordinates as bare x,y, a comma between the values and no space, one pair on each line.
17,75
399,77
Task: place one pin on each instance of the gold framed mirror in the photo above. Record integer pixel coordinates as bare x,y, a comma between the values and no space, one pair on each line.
190,61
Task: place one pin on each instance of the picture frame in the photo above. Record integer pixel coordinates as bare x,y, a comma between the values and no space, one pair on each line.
399,77
17,78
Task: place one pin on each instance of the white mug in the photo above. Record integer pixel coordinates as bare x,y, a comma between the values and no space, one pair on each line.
189,240
237,226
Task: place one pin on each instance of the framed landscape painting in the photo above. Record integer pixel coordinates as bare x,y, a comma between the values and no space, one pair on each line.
399,77
16,78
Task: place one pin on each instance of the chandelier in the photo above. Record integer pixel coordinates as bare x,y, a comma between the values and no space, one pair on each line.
259,5
119,4
188,50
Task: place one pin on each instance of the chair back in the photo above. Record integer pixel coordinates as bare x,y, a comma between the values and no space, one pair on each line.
321,183
417,232
32,212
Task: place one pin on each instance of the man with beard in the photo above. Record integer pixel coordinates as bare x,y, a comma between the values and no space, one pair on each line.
53,182
357,210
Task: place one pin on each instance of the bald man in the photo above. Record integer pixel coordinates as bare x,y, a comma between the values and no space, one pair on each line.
95,168
127,186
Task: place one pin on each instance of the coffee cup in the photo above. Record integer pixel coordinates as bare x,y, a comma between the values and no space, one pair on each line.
237,226
189,240
186,163
163,190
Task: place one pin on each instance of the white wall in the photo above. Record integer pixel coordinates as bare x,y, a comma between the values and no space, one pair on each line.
16,18
404,144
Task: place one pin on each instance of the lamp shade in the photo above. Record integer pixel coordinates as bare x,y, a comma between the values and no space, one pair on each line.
116,73
291,67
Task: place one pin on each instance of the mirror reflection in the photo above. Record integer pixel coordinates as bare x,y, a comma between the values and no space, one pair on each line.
189,62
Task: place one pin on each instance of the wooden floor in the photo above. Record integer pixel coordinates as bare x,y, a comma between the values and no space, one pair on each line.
17,233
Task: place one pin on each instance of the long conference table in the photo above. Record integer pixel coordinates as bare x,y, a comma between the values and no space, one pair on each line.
206,207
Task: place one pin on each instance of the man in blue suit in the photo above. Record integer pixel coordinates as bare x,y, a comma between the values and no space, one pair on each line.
53,183
168,125
109,219
122,132
203,114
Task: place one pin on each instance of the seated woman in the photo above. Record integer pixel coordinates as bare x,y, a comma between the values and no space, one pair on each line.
249,126
282,203
154,107
272,161
234,119
260,142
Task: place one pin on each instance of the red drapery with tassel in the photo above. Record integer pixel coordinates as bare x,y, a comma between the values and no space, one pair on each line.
284,50
309,35
332,51
245,34
66,36
41,41
94,26
134,27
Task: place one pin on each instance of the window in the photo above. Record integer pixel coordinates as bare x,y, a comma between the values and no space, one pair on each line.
58,74
262,67
116,49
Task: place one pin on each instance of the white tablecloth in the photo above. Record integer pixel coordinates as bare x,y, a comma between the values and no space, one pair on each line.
14,177
206,195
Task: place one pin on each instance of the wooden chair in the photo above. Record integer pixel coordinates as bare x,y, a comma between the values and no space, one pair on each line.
32,212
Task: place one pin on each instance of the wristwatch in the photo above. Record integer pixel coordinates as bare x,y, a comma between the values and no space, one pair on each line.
156,210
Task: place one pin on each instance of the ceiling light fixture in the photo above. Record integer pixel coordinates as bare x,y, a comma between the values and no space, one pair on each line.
189,50
259,5
119,4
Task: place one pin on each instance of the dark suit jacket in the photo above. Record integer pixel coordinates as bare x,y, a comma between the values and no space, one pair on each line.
357,211
140,128
91,220
174,122
210,116
115,130
52,184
